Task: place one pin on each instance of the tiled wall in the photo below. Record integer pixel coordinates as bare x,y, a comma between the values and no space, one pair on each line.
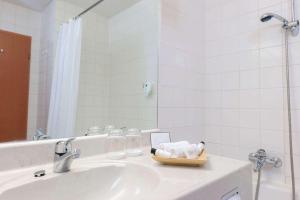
181,69
245,96
222,78
24,21
134,50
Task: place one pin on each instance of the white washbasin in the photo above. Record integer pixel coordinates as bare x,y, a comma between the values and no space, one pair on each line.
113,181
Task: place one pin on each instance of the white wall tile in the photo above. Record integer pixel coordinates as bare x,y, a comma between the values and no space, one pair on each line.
272,56
230,135
274,144
230,117
250,119
294,48
272,98
230,99
250,138
250,99
230,80
272,119
250,79
272,77
249,59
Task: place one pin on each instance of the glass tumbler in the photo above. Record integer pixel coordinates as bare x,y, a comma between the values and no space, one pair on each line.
95,130
134,142
108,129
116,144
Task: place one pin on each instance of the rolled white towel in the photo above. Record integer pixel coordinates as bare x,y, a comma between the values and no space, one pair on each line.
169,146
183,149
194,150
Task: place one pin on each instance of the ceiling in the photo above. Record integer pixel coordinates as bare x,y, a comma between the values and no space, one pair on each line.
107,8
32,4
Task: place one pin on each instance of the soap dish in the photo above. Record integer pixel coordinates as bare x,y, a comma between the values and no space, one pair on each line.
201,160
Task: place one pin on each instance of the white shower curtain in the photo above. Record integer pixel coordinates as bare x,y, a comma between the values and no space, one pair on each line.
65,81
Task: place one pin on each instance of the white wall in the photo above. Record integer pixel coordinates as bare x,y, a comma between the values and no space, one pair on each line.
181,69
134,59
24,21
238,79
245,104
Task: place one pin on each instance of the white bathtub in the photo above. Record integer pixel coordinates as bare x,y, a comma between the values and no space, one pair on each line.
273,192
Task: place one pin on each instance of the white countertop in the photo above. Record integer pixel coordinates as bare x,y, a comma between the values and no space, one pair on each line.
176,181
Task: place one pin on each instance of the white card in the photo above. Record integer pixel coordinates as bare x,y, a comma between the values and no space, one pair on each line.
158,138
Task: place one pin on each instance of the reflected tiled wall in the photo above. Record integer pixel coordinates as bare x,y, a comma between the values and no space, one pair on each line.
47,51
118,53
134,59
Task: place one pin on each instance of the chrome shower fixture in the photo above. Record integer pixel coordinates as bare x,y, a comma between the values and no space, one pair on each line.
293,26
268,16
260,159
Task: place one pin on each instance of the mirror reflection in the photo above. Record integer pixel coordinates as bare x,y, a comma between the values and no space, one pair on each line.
72,68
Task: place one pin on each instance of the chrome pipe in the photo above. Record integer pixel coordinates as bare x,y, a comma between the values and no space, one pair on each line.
293,17
290,126
258,185
88,9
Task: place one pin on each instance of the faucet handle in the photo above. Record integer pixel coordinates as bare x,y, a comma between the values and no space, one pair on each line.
275,162
64,146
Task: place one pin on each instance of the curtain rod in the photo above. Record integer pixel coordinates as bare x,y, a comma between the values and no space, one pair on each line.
88,9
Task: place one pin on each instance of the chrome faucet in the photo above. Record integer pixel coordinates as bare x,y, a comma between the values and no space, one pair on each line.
40,135
64,155
260,159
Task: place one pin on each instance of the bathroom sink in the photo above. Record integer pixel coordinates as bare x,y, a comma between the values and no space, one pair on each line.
113,181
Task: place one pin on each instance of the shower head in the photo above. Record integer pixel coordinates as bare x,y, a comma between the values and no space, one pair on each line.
268,16
292,26
265,18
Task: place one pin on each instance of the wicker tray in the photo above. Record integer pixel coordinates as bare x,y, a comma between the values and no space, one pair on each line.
201,160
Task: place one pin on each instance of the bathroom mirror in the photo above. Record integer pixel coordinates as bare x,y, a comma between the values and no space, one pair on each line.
117,82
